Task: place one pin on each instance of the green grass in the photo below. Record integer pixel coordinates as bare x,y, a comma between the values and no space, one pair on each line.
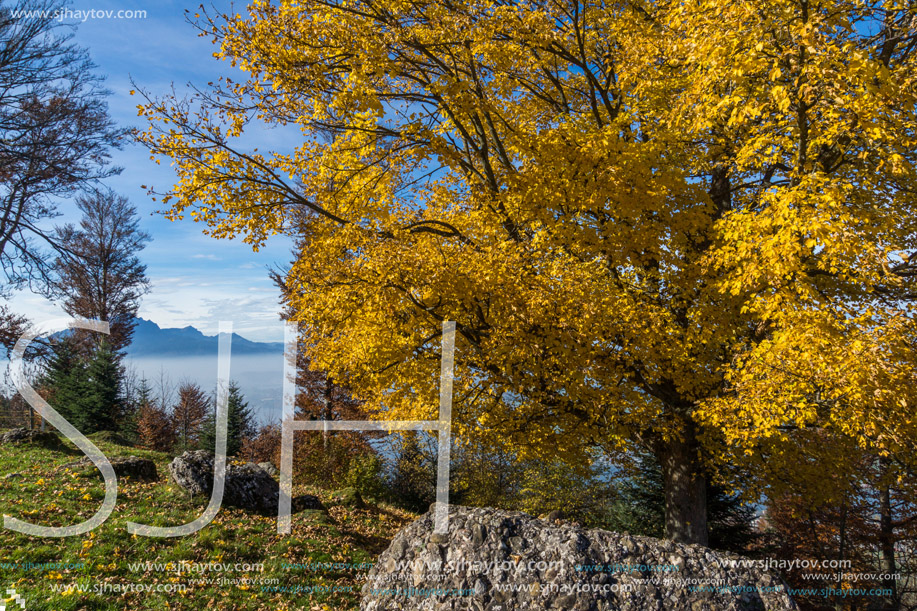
51,496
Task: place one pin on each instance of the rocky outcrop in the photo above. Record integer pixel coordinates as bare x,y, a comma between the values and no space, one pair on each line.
246,486
193,471
125,466
46,439
307,502
249,487
495,560
270,469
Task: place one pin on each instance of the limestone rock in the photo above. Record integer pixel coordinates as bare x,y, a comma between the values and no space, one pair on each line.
307,502
496,560
249,487
246,486
270,469
133,467
193,471
46,439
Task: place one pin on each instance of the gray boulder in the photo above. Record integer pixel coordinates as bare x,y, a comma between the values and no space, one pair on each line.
249,487
45,439
246,486
193,471
307,502
494,560
269,469
133,467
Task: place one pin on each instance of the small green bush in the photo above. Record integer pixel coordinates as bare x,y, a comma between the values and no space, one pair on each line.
365,475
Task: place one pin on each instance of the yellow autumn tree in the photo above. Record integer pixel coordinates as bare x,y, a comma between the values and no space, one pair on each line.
684,226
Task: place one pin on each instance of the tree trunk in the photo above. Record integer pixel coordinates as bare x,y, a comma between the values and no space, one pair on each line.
842,550
887,539
326,411
685,490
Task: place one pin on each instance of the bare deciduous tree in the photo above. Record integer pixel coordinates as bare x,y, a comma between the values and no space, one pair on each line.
55,133
102,276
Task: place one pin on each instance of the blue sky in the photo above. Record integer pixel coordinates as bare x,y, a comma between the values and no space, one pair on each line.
196,280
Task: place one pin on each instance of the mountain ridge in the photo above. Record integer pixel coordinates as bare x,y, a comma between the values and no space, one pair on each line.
150,339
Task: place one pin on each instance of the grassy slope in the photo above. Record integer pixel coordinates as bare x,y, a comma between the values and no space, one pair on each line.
51,496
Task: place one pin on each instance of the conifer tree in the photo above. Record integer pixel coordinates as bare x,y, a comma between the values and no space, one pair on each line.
130,423
413,479
64,380
102,404
240,423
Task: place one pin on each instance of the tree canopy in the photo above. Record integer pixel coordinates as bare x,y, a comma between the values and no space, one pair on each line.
55,133
101,276
683,226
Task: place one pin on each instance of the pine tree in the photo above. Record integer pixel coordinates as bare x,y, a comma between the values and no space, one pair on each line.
241,419
130,422
64,381
86,390
103,403
240,424
413,481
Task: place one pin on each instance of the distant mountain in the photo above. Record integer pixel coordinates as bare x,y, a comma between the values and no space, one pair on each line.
150,340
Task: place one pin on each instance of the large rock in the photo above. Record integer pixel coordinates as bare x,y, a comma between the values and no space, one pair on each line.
270,469
495,560
45,439
193,471
246,486
125,466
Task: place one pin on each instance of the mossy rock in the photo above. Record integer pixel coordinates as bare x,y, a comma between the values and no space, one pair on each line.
45,439
347,497
306,501
111,437
270,469
125,466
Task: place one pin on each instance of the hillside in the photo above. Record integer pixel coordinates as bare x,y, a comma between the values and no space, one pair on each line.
107,568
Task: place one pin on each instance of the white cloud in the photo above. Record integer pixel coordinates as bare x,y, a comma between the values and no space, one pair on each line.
255,315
